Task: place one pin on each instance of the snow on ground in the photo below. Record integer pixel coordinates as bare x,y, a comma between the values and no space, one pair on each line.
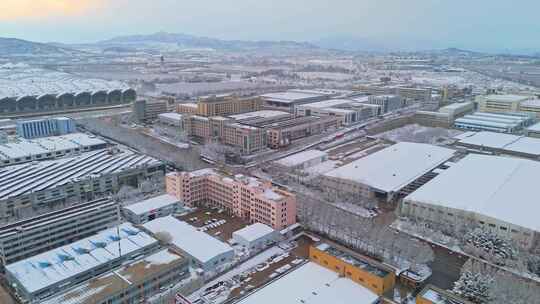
322,168
419,134
356,209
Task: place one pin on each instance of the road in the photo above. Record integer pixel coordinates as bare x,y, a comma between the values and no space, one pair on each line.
446,267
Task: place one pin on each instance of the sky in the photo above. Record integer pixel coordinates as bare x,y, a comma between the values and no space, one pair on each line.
422,24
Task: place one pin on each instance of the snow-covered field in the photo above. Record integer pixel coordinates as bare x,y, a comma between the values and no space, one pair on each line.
419,134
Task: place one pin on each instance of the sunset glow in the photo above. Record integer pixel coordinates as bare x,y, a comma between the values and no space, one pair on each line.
28,9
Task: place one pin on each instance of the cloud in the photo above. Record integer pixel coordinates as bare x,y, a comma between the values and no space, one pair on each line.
14,10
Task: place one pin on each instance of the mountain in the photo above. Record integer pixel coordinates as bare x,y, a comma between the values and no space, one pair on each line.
19,47
190,41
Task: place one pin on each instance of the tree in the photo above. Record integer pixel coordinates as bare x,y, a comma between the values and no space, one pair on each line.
474,287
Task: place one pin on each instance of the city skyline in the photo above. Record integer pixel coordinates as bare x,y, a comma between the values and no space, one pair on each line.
368,24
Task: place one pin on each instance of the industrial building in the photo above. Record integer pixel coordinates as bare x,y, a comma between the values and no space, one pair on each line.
49,273
385,173
500,103
45,127
134,282
152,208
433,119
312,284
26,238
457,109
470,193
171,119
349,111
362,270
433,295
533,131
255,236
499,143
25,90
288,100
303,160
495,122
249,198
53,183
204,251
21,150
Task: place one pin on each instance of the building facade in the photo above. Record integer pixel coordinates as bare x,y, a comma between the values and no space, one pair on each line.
45,127
38,234
388,103
148,110
221,105
362,270
246,197
152,208
281,134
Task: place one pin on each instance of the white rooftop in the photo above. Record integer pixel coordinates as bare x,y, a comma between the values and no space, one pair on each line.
472,184
197,244
534,128
291,96
328,103
394,167
300,158
507,142
170,115
55,266
312,284
26,81
152,204
254,232
259,114
506,98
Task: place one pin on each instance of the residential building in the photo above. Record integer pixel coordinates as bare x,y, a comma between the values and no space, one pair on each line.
204,251
152,208
434,295
44,275
47,185
221,105
360,269
256,236
385,173
134,282
20,150
471,194
26,238
45,127
246,197
148,110
312,284
496,122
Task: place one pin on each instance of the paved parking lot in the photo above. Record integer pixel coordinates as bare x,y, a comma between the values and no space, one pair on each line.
218,223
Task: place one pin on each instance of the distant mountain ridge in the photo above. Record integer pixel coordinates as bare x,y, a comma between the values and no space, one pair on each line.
186,40
14,47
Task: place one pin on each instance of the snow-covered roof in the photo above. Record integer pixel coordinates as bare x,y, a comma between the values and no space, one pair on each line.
259,114
117,281
33,177
171,116
312,284
394,167
503,188
150,204
300,158
505,142
328,103
197,244
506,98
25,81
254,232
534,128
28,147
61,264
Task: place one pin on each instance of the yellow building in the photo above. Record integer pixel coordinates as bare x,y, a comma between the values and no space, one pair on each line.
500,103
433,295
366,272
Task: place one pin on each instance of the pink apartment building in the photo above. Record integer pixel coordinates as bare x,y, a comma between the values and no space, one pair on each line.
246,197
